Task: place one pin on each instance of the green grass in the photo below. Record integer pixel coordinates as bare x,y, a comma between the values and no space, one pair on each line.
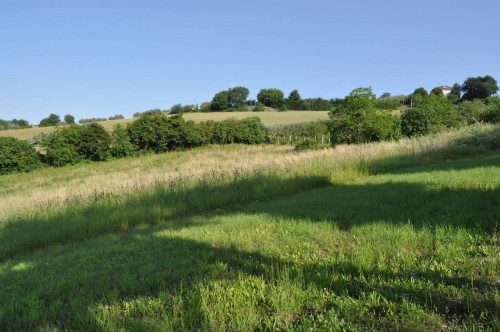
398,242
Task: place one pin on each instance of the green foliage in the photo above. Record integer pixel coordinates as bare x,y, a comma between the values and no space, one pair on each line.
94,143
433,114
237,96
120,143
357,120
19,124
17,156
69,119
89,120
271,97
116,117
177,108
316,104
471,111
159,133
205,106
191,135
260,107
294,101
51,120
61,146
251,131
207,131
220,101
225,131
4,125
388,103
491,115
479,87
231,99
307,144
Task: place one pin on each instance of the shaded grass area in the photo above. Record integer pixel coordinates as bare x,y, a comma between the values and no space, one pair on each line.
415,249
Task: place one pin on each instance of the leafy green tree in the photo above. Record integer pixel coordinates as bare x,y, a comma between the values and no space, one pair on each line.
237,96
357,120
220,101
479,87
95,142
271,97
17,156
21,123
69,119
120,143
177,108
225,132
51,120
456,90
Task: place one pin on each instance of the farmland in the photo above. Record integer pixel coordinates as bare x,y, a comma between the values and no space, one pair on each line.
383,236
268,118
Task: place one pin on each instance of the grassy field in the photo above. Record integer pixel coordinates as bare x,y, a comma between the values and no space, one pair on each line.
388,236
268,118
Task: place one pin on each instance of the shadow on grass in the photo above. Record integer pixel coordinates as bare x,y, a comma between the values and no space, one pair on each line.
64,285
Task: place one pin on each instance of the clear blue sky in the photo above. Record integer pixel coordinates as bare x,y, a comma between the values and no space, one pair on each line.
99,58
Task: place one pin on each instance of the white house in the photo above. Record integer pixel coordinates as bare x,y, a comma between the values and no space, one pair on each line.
444,88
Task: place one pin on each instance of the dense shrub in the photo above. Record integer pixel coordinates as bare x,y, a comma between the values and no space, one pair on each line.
307,144
94,143
61,146
92,120
357,120
471,111
17,156
433,114
225,131
251,131
159,133
120,143
116,117
491,115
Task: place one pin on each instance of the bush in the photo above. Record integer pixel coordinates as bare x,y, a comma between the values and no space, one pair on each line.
307,144
433,114
251,131
17,156
61,146
120,143
260,107
94,143
157,133
491,115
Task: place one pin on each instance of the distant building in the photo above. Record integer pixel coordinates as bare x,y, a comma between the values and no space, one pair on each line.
444,88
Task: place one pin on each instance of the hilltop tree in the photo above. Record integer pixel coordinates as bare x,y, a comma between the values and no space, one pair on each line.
51,120
233,98
69,119
479,87
271,97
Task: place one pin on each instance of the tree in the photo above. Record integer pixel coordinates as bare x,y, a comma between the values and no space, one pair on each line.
21,123
357,120
61,146
220,101
237,96
251,131
271,97
385,95
294,101
51,120
69,119
479,87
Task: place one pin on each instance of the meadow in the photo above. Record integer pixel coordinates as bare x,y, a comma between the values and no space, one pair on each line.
383,236
268,118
